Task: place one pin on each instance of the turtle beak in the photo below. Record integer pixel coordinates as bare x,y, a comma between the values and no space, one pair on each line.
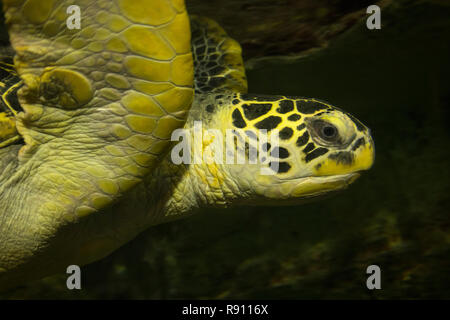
359,157
365,154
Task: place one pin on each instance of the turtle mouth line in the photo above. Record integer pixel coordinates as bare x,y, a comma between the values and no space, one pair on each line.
347,178
327,178
317,186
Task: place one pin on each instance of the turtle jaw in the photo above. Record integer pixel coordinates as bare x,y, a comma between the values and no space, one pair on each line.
316,186
296,190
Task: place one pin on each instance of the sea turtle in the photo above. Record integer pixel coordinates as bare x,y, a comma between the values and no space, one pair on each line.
88,115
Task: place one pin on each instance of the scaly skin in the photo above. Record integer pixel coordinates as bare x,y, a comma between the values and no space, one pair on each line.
99,106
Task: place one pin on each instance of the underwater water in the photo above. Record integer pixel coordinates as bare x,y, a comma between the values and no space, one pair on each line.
397,215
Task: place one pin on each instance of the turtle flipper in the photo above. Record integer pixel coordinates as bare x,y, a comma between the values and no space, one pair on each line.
99,104
9,106
217,58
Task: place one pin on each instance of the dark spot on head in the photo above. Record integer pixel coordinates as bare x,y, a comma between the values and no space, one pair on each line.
235,142
251,134
294,117
235,101
305,106
266,147
238,121
237,133
343,157
260,97
251,152
256,110
316,153
210,108
286,133
285,106
310,146
279,152
283,167
268,123
247,147
303,139
301,127
360,142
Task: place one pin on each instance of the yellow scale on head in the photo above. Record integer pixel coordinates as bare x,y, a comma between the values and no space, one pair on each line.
363,161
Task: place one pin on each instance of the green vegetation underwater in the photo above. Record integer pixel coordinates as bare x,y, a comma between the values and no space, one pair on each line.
395,216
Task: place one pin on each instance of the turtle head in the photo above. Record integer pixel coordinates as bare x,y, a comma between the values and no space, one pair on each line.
311,149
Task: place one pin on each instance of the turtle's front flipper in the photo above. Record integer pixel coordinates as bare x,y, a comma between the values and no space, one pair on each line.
9,106
100,103
217,58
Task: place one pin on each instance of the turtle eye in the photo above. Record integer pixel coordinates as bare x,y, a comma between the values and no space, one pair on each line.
329,131
326,131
